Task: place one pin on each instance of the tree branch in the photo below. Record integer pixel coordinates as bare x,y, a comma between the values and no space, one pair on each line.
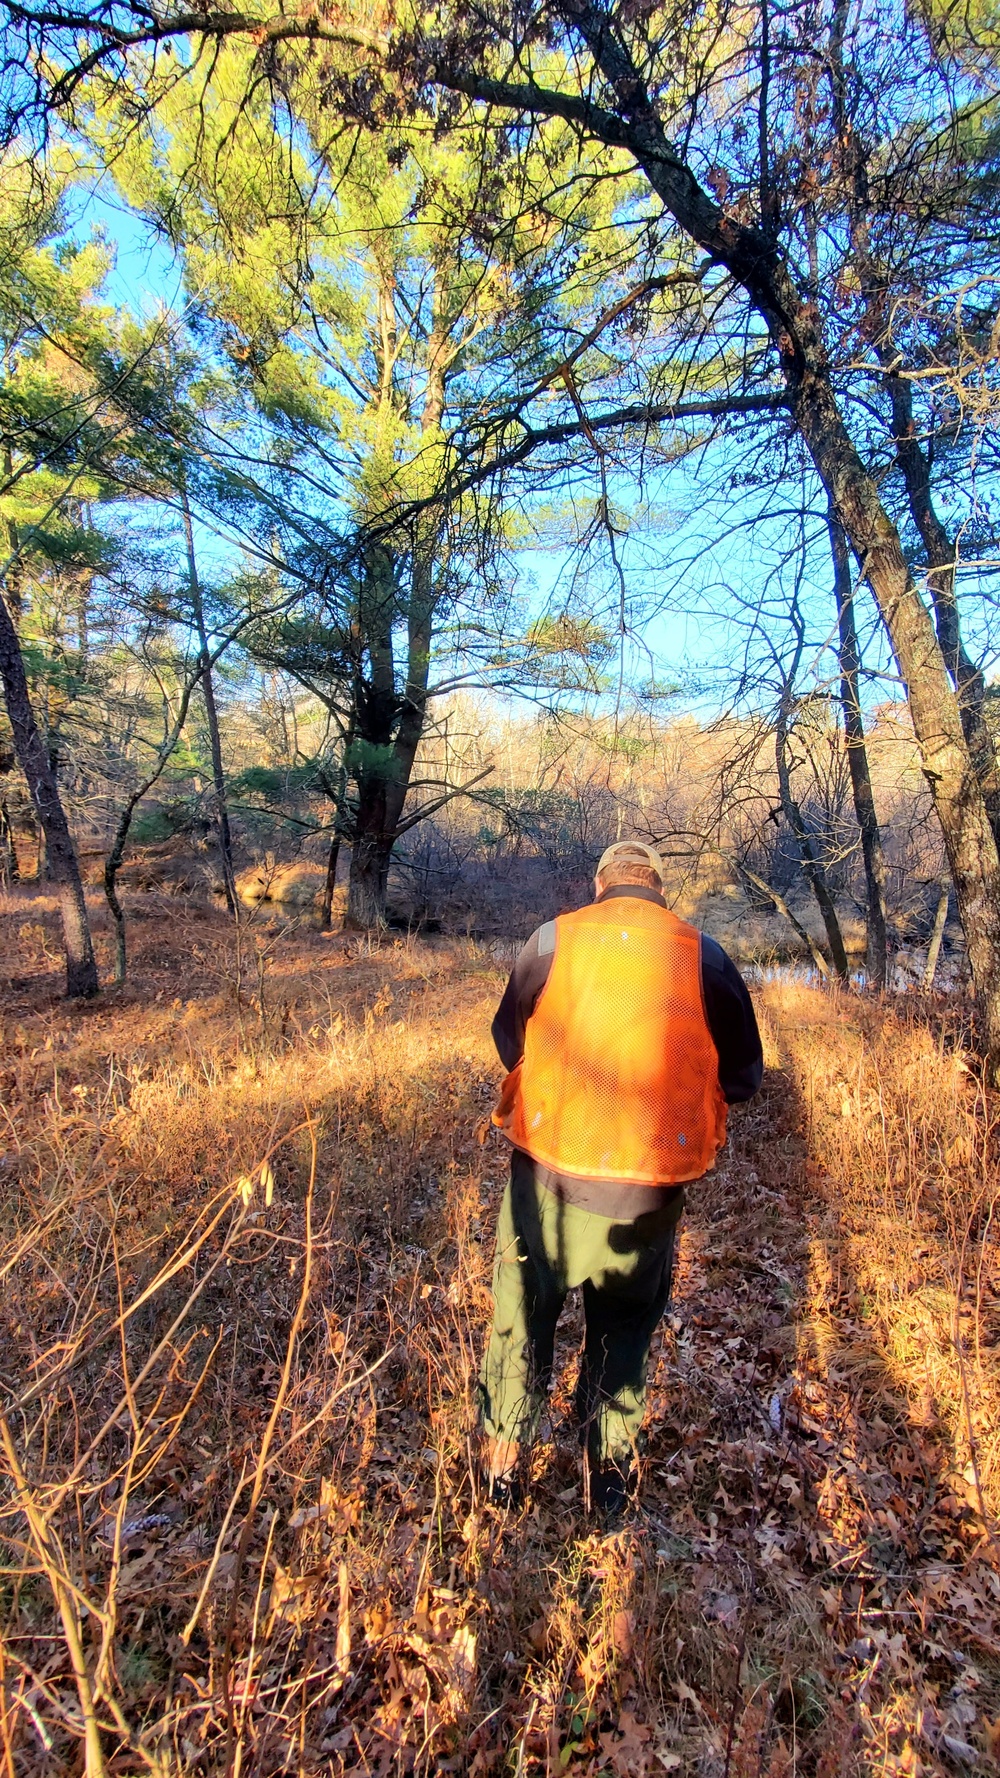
432,808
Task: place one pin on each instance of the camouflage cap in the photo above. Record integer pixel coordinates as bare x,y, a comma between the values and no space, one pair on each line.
630,852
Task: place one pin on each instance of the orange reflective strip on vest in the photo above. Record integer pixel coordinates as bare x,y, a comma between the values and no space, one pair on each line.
620,1076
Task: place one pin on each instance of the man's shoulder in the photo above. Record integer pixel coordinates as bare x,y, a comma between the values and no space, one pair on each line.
717,966
545,939
712,954
542,943
545,935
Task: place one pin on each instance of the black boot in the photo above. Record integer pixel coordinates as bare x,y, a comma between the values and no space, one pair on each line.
503,1468
505,1491
612,1490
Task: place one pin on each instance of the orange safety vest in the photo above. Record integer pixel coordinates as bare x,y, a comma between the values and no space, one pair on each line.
620,1076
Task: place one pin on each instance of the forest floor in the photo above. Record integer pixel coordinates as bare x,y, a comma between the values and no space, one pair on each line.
246,1210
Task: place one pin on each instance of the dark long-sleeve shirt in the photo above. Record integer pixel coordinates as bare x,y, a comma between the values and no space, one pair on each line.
731,1023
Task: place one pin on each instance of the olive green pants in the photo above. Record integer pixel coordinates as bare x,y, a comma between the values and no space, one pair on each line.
545,1248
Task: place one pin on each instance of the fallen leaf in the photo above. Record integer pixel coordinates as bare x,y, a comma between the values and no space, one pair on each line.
342,1653
625,1748
623,1633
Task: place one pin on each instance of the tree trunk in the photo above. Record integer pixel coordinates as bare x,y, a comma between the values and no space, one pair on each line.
63,868
941,553
755,261
112,863
782,906
934,709
811,866
386,758
934,948
13,589
326,912
9,870
857,759
211,712
370,760
337,793
369,879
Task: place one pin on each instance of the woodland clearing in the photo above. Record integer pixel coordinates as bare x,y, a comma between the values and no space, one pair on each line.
439,441
247,1208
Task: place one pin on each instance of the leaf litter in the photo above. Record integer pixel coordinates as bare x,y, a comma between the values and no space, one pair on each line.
811,1585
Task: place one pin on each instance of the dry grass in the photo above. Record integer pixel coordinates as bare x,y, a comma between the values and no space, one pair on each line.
910,1241
246,1221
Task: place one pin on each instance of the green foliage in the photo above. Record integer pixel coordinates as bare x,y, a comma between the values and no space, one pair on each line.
156,822
371,760
966,29
659,691
58,353
275,785
566,635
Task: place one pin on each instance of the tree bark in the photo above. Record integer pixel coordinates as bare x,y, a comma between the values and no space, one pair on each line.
9,869
383,788
371,757
944,752
369,878
934,948
211,712
389,726
330,884
13,590
62,865
967,678
382,772
857,759
337,793
755,261
812,868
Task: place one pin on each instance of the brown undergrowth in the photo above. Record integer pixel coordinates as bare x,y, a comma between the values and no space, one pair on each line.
246,1224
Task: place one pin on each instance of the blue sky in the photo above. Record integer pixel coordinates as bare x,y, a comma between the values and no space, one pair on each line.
696,577
145,275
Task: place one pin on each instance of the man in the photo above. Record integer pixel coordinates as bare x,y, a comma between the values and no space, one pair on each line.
626,1033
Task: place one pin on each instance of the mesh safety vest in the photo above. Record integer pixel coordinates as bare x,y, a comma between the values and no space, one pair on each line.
620,1076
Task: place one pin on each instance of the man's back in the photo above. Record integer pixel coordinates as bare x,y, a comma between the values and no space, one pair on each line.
619,1078
625,1033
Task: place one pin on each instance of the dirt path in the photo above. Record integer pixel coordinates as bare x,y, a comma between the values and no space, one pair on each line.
804,1590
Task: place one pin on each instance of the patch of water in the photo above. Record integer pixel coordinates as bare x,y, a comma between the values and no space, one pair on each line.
906,974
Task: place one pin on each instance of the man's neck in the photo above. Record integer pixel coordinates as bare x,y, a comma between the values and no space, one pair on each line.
633,890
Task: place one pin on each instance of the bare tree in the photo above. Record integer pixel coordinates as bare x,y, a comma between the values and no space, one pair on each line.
812,866
211,711
857,757
61,861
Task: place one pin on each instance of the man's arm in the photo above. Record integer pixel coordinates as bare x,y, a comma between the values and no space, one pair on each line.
732,1022
527,979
